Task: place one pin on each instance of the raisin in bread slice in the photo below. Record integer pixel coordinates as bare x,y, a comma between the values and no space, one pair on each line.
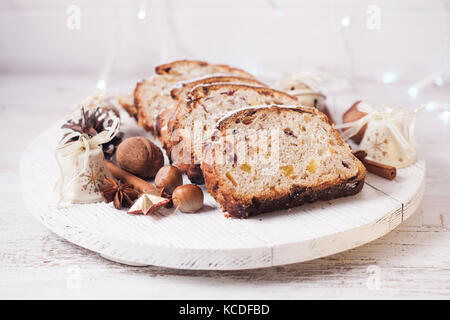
181,93
195,119
271,158
153,96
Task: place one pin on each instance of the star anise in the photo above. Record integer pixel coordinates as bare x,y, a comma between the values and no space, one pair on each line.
92,122
122,195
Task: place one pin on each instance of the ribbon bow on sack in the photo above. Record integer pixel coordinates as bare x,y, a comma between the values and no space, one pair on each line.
70,150
397,122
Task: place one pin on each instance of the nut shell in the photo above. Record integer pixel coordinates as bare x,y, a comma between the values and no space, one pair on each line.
139,156
169,178
188,198
353,114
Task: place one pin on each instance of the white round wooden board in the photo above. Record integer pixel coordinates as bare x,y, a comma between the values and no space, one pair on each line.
207,240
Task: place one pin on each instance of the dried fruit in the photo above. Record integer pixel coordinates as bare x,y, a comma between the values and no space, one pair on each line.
287,170
246,167
312,166
230,177
123,195
289,132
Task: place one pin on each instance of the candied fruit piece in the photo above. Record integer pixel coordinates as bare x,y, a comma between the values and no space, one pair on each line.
287,170
312,166
245,167
289,132
230,177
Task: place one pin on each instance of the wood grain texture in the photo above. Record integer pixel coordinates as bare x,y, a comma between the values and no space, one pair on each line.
414,259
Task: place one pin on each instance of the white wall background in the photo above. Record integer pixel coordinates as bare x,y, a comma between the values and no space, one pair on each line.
276,35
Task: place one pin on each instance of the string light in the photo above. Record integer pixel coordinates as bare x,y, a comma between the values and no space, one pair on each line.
439,81
101,85
345,22
389,77
444,116
430,106
413,92
142,13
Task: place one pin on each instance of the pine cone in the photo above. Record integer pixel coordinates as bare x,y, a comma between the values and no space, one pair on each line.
92,122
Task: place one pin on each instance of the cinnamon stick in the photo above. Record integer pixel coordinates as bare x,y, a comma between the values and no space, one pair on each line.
382,170
126,177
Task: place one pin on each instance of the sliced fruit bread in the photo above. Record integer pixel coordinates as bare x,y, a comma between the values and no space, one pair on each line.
153,96
195,119
270,158
181,92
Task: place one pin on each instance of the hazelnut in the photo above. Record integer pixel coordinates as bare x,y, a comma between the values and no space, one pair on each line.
168,177
139,156
353,114
188,198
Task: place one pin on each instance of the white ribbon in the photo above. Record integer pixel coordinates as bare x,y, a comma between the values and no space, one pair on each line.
393,119
83,145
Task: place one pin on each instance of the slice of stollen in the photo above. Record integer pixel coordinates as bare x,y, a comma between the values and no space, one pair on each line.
181,93
127,102
271,158
195,119
151,97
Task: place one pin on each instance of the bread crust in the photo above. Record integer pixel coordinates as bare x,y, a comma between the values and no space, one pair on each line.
127,103
241,207
175,93
192,169
170,70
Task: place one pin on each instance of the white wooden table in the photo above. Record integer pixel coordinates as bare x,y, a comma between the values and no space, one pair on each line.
413,261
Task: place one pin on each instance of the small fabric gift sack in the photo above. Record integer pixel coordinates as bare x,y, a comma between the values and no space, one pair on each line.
82,165
389,136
